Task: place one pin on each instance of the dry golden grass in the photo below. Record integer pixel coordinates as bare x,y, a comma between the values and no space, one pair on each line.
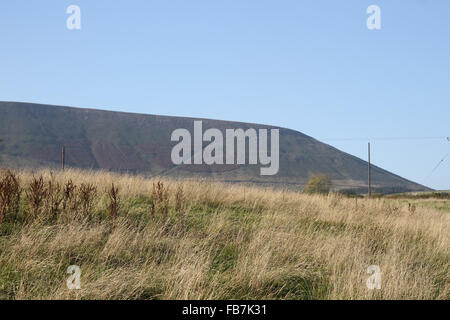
230,242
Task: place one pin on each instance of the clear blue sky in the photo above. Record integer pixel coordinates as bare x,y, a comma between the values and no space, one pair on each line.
312,66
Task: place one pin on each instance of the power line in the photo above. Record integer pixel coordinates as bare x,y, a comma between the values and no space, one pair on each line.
439,163
437,166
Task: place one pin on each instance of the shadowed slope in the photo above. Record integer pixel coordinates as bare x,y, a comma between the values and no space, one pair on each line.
33,135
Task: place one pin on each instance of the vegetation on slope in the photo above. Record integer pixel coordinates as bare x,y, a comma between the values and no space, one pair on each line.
34,134
137,238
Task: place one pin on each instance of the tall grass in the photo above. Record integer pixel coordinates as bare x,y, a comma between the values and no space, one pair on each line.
194,239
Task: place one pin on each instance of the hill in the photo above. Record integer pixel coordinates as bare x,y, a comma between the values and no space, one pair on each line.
34,134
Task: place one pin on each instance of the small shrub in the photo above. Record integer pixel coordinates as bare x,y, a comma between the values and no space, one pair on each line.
160,200
87,192
69,196
114,204
9,194
318,183
54,198
36,194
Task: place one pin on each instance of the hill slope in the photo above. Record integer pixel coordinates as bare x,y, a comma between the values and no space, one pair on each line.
33,135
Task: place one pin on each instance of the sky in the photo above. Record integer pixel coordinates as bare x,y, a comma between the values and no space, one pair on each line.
312,66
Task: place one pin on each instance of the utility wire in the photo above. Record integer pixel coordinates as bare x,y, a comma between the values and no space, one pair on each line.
399,138
437,166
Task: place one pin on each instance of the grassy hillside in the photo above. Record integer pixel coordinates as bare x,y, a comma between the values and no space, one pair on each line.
195,239
33,136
